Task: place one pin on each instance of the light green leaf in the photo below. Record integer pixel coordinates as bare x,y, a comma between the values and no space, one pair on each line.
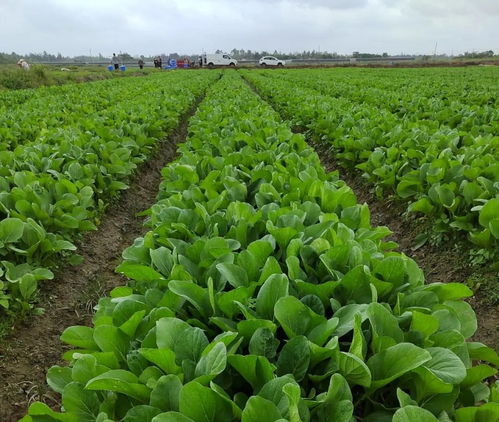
202,404
413,414
258,409
394,362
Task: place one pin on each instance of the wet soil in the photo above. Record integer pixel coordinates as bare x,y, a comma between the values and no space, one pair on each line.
33,345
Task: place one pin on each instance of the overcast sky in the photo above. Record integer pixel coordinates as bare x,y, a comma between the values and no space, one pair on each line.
74,27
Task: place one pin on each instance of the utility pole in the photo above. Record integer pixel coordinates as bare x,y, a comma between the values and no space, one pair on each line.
435,51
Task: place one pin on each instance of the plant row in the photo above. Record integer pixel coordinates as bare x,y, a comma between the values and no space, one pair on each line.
60,168
438,155
262,293
459,98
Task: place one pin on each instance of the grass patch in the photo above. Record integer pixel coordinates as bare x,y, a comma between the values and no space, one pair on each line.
12,78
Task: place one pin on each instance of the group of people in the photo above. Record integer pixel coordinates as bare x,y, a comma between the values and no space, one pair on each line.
115,61
158,62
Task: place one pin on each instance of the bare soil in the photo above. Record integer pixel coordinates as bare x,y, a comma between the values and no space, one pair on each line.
33,345
444,263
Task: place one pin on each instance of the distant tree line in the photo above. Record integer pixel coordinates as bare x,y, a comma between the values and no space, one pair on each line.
478,55
44,57
305,54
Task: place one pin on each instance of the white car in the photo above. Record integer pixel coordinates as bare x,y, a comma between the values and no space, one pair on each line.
212,60
271,61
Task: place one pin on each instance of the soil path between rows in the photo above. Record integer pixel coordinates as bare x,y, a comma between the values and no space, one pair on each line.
34,345
443,264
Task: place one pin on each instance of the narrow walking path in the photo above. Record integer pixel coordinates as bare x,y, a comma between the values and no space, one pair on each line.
34,345
439,264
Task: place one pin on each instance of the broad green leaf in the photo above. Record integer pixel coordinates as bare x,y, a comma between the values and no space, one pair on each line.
486,412
489,212
384,325
258,409
234,274
440,374
202,404
337,405
358,346
405,399
111,339
449,291
424,323
141,413
445,365
412,414
346,315
256,370
295,317
354,369
294,358
80,402
163,358
247,328
58,377
196,295
168,332
394,362
11,230
171,417
477,373
466,316
80,336
293,393
273,390
263,343
275,287
120,381
166,393
41,412
138,272
479,351
213,363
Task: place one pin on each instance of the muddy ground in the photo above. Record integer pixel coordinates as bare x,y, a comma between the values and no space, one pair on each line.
34,346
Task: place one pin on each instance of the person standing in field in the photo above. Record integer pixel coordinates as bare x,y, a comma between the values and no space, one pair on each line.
115,61
23,64
141,64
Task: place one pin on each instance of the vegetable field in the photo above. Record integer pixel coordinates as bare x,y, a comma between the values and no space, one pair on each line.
261,291
428,137
65,153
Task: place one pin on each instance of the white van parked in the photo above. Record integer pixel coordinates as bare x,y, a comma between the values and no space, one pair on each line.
211,60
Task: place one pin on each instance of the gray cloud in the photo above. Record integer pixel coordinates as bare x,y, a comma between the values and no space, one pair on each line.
329,4
151,26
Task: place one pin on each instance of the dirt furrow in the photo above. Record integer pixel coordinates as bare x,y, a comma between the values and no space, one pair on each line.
34,345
